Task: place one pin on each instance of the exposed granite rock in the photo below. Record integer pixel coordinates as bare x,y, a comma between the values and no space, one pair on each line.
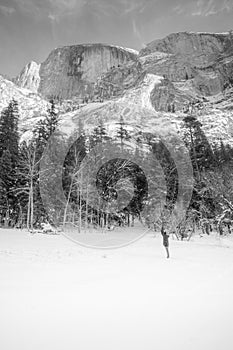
29,77
72,71
205,58
119,79
169,97
201,45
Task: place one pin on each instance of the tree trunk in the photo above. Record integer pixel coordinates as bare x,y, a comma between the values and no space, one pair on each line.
87,203
28,211
32,206
80,201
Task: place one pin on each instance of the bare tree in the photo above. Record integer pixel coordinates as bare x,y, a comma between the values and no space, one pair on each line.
28,172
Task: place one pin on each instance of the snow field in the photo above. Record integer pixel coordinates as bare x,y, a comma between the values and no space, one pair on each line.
55,294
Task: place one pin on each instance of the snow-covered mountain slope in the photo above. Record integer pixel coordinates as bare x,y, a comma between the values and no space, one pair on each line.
136,105
31,106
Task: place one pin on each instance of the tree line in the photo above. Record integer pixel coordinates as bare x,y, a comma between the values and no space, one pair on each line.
20,200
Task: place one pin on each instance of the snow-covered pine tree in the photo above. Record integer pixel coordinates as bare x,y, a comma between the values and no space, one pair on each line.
9,136
99,135
195,140
45,128
122,133
9,152
7,181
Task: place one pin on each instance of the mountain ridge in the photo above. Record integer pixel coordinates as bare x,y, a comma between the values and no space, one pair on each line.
187,67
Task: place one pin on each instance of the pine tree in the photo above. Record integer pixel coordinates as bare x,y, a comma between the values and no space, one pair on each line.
45,128
169,168
7,180
99,135
203,160
9,137
9,151
199,148
52,119
122,132
173,108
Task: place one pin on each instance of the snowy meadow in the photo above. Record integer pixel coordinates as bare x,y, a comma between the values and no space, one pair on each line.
55,294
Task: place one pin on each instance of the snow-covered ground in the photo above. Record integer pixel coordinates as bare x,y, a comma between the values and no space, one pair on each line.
55,294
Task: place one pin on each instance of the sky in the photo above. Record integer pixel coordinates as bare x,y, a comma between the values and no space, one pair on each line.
30,29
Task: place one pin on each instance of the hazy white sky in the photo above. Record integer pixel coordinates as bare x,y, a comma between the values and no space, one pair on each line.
30,29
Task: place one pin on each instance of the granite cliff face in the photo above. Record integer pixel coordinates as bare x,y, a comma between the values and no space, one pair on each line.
72,71
196,64
118,80
29,77
193,65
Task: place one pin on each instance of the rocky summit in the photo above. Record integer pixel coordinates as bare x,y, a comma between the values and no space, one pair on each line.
162,79
72,71
29,77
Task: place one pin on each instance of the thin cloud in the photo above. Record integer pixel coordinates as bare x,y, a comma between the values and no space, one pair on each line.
179,9
203,8
212,7
103,7
59,11
137,33
120,7
6,11
132,6
52,9
62,7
